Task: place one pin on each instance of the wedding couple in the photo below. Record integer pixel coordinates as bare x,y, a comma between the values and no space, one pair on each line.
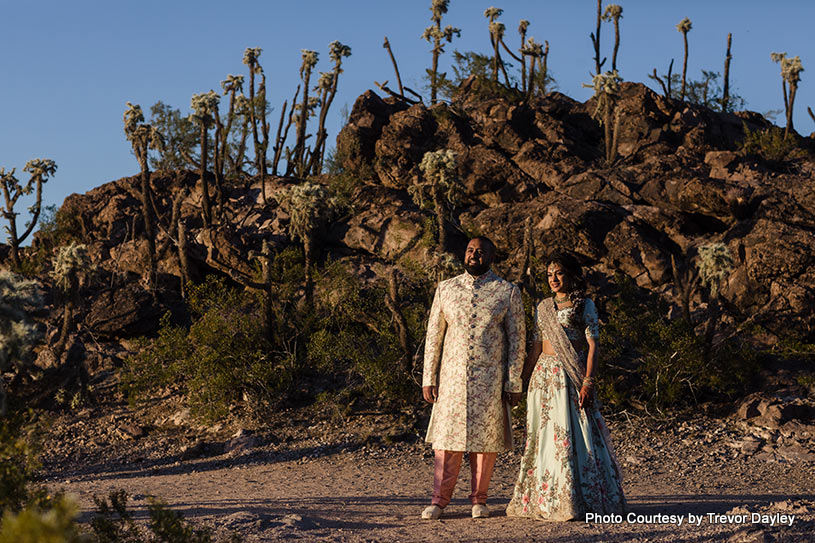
474,367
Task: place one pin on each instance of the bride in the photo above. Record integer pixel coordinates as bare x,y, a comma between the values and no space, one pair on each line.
568,468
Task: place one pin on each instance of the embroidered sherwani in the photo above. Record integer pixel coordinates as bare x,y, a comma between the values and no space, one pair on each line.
475,348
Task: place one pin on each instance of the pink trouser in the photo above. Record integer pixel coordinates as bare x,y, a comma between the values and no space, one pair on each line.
446,467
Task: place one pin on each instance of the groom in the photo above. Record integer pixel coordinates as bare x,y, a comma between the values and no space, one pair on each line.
474,349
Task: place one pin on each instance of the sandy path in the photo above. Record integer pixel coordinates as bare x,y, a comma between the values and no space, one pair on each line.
377,495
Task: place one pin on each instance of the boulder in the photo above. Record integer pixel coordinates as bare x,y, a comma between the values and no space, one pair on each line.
357,139
123,312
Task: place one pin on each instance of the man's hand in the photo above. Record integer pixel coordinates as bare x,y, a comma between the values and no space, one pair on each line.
431,394
512,398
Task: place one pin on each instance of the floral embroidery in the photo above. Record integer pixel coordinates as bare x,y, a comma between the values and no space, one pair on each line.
474,350
566,468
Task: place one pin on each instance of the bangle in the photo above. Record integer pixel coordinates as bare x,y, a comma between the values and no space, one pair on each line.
587,381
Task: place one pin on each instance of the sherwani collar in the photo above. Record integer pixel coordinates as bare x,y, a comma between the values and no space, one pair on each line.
472,280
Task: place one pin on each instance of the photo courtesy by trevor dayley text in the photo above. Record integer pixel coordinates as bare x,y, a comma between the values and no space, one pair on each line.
774,519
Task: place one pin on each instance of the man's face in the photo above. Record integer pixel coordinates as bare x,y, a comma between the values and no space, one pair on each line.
478,257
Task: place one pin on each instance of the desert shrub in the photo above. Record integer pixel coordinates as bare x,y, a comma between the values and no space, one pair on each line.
18,462
660,362
470,63
770,145
35,524
113,523
354,339
224,358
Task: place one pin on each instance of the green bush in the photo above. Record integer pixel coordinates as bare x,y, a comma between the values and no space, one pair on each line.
354,339
770,145
18,462
223,359
55,524
112,523
660,362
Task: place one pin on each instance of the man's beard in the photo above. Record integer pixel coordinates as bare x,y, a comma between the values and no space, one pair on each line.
476,269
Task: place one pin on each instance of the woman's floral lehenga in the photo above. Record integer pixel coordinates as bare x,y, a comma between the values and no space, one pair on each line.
569,467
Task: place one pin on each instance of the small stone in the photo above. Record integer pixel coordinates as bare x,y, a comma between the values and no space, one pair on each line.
294,520
796,453
241,443
748,409
188,452
180,417
131,431
750,446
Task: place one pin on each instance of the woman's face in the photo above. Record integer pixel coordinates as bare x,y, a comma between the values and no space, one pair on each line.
558,280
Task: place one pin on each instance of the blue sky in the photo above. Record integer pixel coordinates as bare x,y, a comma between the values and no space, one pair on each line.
69,67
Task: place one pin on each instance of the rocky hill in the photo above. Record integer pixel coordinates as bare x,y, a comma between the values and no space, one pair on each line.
680,182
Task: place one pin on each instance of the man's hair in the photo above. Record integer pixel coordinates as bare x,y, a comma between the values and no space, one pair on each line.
486,240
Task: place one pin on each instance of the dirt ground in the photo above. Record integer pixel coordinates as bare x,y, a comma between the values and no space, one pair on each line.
317,476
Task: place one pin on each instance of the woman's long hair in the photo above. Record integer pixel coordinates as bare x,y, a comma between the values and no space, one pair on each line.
577,284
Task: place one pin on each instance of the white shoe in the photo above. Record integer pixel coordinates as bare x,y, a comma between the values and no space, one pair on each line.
480,511
432,512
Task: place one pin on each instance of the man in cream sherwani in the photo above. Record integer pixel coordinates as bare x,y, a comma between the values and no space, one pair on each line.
473,359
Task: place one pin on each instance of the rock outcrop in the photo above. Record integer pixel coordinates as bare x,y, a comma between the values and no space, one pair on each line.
679,182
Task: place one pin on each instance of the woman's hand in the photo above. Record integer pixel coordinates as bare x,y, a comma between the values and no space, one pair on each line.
585,396
512,398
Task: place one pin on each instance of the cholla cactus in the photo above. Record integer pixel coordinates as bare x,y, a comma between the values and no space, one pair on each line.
250,57
71,265
337,51
714,264
144,137
613,13
233,86
205,110
204,106
791,69
141,135
435,35
523,25
492,13
310,59
496,34
534,50
443,185
327,87
297,159
324,81
606,90
440,167
19,297
497,30
310,207
684,27
40,170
